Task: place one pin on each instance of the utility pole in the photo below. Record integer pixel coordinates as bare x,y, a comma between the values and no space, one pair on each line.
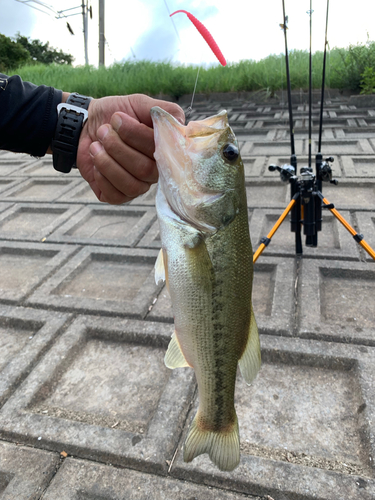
101,33
84,7
85,28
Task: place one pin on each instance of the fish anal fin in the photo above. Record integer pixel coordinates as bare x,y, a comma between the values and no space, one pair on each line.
174,357
159,268
251,359
223,448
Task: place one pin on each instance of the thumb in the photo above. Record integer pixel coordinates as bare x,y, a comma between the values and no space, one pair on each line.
142,105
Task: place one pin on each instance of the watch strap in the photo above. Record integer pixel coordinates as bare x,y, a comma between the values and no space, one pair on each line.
72,115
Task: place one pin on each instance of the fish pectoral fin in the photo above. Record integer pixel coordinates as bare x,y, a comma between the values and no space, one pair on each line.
174,357
251,359
159,268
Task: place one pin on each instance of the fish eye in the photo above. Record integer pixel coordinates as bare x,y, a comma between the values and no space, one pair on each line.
230,152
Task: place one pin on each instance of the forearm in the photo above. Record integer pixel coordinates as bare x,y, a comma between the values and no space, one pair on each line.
28,115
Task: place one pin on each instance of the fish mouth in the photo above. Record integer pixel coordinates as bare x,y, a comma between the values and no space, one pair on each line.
203,128
180,153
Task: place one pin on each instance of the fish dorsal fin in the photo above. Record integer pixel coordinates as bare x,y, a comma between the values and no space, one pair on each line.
159,268
174,357
251,359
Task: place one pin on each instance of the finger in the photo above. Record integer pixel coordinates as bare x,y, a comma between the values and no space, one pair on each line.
120,179
142,105
136,162
107,192
137,135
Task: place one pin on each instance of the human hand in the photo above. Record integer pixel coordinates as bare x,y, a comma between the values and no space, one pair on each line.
116,147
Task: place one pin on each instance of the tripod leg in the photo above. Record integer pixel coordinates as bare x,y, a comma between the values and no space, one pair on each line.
358,237
267,240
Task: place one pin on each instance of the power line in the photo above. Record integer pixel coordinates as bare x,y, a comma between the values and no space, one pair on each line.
38,2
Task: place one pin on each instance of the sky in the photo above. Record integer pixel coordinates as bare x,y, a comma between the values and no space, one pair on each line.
142,29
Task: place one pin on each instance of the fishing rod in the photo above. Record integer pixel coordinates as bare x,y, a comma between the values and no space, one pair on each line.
323,169
296,206
307,199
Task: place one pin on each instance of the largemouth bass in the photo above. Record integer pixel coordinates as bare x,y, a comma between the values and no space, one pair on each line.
206,261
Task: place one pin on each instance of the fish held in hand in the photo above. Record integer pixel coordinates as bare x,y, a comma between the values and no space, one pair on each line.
206,261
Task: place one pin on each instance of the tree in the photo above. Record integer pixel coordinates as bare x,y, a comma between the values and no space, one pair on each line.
42,52
12,54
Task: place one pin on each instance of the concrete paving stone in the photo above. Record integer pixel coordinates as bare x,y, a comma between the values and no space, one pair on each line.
5,206
40,189
7,183
339,133
306,425
358,166
25,472
25,335
262,194
44,168
366,227
344,147
33,222
83,480
264,148
334,241
105,225
336,301
362,122
102,280
13,166
249,124
102,392
244,135
366,133
23,266
152,238
254,166
352,122
351,195
80,193
273,290
8,155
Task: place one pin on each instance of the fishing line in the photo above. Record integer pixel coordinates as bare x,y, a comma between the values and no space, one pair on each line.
190,108
175,28
210,41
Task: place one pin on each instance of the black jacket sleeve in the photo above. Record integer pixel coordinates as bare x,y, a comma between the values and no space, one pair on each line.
28,115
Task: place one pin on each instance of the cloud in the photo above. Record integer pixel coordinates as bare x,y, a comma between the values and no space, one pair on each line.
16,17
158,44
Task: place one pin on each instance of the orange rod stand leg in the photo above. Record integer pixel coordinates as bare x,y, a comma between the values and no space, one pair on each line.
351,230
274,229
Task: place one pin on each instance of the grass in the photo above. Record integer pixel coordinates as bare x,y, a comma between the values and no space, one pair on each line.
344,71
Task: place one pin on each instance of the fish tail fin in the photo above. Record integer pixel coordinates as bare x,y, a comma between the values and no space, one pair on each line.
222,447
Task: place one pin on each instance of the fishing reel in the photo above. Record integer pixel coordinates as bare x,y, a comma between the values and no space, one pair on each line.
286,171
325,170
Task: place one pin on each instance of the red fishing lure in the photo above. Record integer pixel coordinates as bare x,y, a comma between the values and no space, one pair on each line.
206,35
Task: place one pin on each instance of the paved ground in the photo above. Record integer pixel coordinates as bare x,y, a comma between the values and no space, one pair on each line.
88,410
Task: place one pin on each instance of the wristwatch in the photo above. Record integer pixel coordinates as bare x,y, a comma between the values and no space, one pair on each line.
72,116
